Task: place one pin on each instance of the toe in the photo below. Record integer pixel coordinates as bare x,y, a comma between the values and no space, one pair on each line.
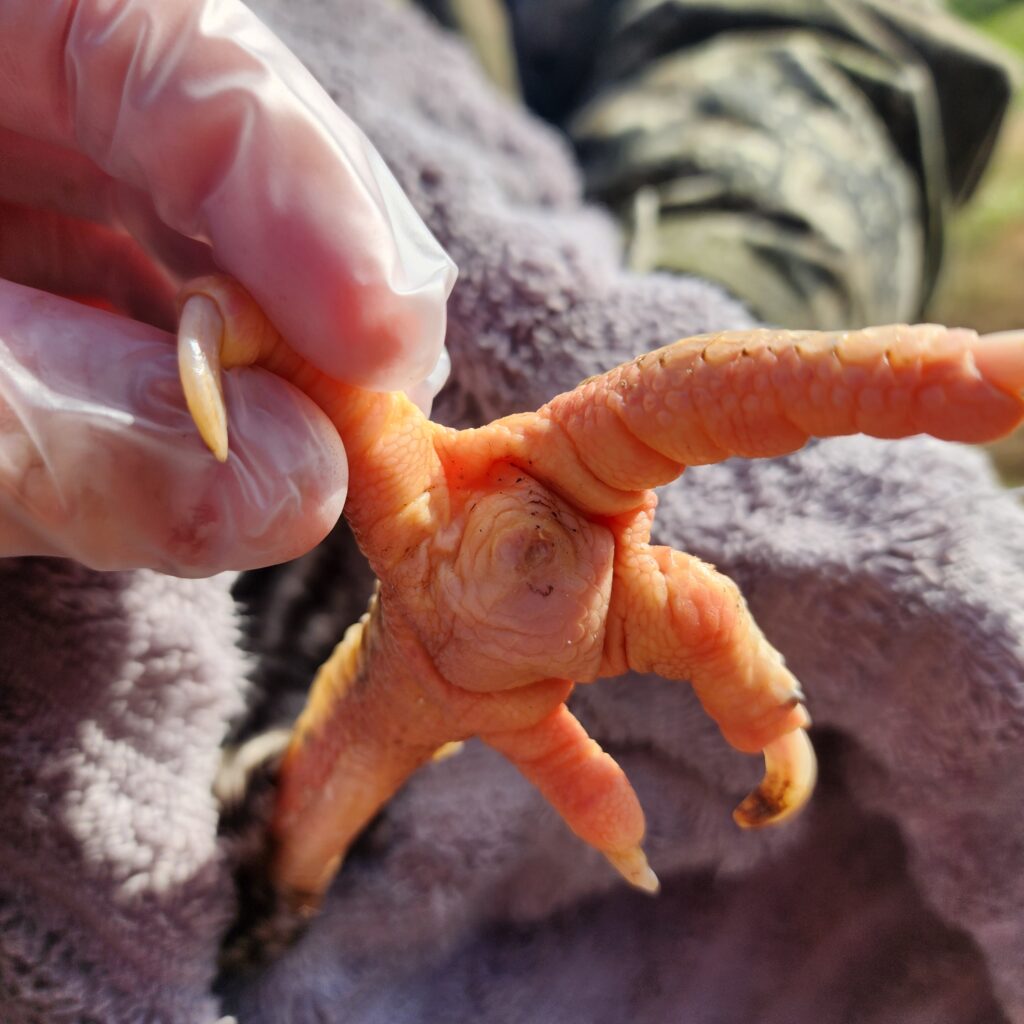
586,786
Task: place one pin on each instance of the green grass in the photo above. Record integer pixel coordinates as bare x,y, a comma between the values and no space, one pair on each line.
974,10
1000,200
1006,26
985,253
981,281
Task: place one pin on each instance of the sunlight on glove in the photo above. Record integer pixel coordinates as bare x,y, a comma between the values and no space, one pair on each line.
144,143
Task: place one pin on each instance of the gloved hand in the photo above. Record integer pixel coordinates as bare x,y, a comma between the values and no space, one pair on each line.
143,143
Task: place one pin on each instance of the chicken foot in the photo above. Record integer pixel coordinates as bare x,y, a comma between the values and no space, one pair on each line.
514,560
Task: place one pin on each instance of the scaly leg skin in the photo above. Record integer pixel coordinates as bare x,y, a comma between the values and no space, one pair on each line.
514,560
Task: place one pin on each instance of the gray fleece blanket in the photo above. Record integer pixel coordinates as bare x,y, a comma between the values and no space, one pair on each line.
888,574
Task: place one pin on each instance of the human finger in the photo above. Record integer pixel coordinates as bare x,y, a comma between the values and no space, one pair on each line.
43,249
198,106
99,462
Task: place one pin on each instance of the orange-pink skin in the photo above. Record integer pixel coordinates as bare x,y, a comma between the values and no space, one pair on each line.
514,559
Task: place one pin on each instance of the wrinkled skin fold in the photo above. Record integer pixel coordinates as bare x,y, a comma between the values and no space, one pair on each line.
515,560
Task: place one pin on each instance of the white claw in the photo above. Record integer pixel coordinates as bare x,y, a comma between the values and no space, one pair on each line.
790,771
447,750
632,865
200,328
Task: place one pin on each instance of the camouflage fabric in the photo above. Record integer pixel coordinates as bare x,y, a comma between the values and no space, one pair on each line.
803,153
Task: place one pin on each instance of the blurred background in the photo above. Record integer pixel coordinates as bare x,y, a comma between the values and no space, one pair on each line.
828,162
982,282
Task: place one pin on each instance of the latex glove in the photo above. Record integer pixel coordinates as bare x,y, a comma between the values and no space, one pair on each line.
143,143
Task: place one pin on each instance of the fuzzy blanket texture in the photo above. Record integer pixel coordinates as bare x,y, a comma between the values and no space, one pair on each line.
889,574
